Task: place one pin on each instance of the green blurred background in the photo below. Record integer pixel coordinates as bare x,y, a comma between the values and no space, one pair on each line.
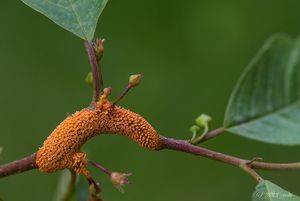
191,54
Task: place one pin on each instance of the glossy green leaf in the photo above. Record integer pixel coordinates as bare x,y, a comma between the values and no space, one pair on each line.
77,16
265,104
267,191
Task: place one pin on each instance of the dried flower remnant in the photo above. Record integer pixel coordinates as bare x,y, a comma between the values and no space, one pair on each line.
119,180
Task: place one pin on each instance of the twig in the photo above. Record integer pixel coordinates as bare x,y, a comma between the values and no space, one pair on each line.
275,166
103,169
123,94
96,71
253,160
251,172
184,146
134,80
18,166
28,163
212,134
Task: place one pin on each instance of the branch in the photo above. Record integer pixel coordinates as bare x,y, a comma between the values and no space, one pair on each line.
184,146
96,71
275,166
247,165
18,166
28,163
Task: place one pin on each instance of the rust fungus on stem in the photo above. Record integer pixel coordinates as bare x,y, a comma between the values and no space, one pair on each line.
62,148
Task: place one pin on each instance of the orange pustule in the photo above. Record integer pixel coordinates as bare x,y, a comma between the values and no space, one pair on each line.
62,148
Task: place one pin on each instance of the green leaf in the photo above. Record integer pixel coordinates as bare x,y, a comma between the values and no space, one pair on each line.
62,188
82,189
267,191
77,16
265,104
89,79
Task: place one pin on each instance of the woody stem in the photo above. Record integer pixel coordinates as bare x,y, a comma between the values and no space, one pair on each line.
248,166
96,71
18,166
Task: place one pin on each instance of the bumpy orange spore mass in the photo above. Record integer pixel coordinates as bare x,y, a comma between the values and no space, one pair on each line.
62,148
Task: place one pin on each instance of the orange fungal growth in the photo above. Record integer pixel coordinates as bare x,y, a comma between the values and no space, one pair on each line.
62,148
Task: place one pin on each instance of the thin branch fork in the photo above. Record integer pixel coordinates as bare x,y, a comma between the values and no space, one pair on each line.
247,166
